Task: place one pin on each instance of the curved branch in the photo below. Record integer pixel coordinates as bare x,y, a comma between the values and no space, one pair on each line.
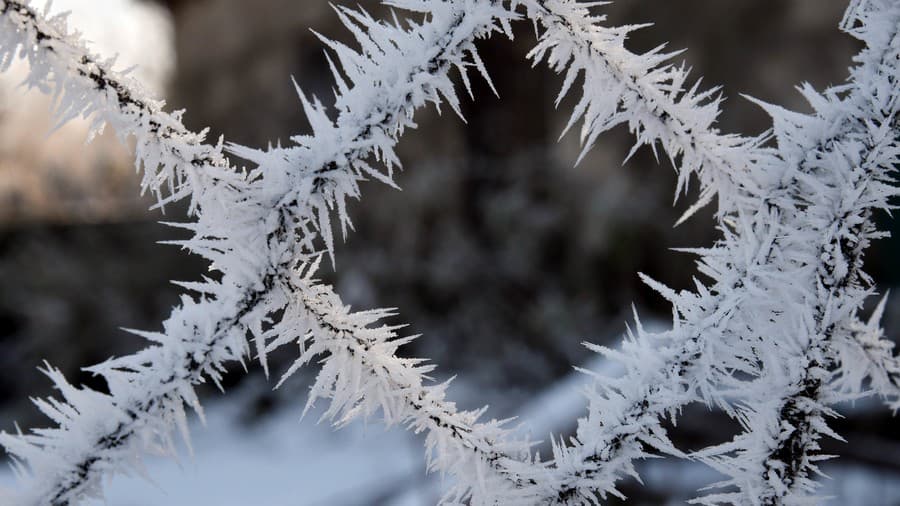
255,230
766,216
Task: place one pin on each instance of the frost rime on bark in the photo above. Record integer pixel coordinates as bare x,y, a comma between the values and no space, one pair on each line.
291,193
720,329
779,316
770,223
844,176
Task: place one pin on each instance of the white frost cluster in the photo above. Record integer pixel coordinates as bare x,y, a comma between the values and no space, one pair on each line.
774,338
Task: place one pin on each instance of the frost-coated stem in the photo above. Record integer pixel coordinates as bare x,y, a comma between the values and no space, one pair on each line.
173,157
647,92
363,374
766,215
256,231
780,314
829,224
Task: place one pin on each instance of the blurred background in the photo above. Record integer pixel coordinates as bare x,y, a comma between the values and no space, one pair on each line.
500,251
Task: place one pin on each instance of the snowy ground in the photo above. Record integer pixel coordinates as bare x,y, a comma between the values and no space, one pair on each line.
283,461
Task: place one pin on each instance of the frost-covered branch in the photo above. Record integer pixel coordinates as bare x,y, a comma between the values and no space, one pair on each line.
174,159
647,92
778,316
769,218
256,230
841,181
363,375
